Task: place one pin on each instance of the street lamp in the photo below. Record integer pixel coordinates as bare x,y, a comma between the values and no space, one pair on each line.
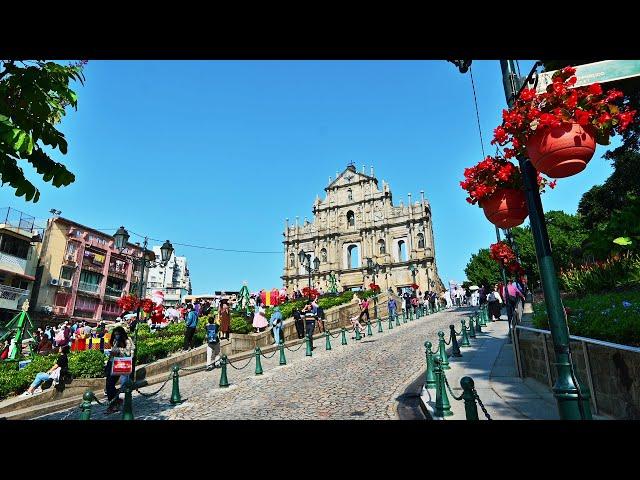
305,260
373,268
148,259
413,269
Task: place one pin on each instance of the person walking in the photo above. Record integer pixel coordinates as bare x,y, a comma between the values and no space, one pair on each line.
494,300
277,322
191,322
213,343
122,346
310,321
299,322
225,319
392,307
512,295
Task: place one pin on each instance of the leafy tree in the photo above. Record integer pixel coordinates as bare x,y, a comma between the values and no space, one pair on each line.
566,235
482,269
33,99
624,222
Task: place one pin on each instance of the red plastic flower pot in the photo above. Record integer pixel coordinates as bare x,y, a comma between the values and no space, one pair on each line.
506,208
562,151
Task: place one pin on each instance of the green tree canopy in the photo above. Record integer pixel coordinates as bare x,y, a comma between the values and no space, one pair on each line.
566,235
33,99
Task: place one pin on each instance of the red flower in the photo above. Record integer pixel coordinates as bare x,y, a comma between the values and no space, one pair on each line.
528,94
499,135
552,184
594,89
582,117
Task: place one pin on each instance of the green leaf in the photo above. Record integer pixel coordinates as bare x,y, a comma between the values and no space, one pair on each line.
623,241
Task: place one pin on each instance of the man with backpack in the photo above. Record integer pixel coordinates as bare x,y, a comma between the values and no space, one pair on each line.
213,343
512,294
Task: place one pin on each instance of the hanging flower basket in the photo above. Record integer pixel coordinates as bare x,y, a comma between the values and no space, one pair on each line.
562,151
505,208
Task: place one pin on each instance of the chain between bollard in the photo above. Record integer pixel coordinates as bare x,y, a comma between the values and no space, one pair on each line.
148,395
331,334
446,382
449,342
243,367
295,349
270,356
484,410
193,369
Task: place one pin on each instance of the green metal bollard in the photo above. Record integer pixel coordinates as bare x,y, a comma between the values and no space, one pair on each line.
442,352
443,408
410,316
478,324
87,398
429,378
224,382
379,325
369,331
175,391
327,337
487,318
472,330
344,336
283,359
465,337
470,408
391,322
258,353
358,337
127,408
308,340
479,318
404,316
455,348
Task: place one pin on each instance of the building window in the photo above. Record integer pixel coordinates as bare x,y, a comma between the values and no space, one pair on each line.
14,246
323,255
66,273
17,282
420,240
292,259
350,195
353,256
351,218
402,251
382,247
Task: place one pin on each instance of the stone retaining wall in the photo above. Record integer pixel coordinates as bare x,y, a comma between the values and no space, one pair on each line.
615,373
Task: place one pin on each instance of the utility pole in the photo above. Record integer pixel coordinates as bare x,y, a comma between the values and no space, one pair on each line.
572,397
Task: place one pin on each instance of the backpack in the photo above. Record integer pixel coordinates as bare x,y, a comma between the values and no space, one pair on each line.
212,333
491,297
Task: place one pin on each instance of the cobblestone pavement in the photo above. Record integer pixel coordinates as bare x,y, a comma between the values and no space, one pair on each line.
361,380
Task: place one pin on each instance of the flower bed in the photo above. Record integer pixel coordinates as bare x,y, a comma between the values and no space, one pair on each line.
612,317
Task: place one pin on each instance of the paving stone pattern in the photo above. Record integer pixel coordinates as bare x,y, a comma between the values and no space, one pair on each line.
361,380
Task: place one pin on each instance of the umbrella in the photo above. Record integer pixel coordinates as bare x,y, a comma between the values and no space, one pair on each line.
474,287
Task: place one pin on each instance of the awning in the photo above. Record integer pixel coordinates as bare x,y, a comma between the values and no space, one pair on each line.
21,275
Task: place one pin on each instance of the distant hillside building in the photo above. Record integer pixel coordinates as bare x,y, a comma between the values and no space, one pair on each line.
357,221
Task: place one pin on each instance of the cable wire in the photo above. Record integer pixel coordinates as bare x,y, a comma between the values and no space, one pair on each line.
475,101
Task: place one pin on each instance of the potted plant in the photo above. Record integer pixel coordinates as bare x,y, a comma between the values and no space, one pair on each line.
558,129
495,184
374,288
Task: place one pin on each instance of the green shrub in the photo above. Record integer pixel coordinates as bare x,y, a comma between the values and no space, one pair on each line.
87,364
600,316
240,325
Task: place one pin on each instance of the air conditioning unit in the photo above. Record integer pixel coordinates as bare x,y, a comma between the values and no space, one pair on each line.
55,281
65,283
47,309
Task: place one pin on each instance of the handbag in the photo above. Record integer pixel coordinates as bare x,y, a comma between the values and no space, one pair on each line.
121,365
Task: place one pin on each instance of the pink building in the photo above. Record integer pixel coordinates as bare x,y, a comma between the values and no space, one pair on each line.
81,274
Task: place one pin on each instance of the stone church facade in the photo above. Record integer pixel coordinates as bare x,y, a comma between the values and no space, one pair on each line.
356,221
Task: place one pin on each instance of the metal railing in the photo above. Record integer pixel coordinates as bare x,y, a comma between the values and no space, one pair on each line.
113,292
584,341
89,287
11,293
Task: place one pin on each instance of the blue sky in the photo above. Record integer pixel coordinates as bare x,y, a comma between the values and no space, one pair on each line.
218,153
